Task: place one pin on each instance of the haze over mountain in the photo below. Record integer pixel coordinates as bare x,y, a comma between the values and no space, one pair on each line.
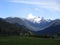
25,16
53,29
7,29
35,25
31,22
39,27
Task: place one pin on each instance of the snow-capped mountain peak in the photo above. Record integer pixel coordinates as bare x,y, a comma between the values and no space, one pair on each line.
34,19
38,19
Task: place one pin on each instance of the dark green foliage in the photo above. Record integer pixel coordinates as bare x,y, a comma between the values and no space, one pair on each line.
18,40
7,29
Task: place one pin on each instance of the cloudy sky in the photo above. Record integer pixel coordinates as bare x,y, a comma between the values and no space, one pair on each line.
49,9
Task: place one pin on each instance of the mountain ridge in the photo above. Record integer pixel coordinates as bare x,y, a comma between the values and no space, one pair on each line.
29,24
51,28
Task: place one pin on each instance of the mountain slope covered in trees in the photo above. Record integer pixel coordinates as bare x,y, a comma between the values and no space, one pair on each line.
12,29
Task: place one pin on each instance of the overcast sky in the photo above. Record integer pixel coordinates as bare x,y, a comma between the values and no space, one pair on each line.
49,9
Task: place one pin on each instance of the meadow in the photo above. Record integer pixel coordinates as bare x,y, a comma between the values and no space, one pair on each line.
17,40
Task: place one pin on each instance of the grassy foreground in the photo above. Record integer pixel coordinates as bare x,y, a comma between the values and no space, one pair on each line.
17,40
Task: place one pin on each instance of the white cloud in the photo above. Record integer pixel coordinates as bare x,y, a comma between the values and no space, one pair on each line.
48,4
30,16
25,2
33,18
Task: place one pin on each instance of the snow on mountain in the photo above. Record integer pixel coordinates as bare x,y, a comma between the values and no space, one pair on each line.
32,22
53,29
34,19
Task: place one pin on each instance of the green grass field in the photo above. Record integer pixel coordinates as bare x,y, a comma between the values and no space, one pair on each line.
17,40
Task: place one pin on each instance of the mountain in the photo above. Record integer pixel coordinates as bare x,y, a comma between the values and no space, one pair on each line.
35,19
15,20
53,29
44,27
7,28
34,24
37,25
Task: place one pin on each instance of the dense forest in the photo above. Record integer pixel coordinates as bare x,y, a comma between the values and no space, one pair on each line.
7,29
11,29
